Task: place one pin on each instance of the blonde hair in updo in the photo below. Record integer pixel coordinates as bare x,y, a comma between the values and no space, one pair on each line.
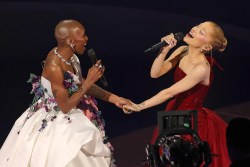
219,40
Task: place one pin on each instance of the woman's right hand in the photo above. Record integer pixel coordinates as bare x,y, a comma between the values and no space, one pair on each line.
95,72
170,40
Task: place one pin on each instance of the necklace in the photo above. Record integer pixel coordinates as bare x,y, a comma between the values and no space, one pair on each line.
65,61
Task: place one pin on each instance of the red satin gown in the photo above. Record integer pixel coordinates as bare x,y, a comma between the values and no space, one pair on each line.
211,127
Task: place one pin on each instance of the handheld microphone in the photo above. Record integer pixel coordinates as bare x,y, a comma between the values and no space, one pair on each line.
92,56
178,36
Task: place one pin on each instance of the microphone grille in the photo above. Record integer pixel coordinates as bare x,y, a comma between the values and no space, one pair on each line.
91,53
92,56
178,36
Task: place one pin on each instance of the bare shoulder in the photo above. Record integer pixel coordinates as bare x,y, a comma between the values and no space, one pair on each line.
201,68
52,69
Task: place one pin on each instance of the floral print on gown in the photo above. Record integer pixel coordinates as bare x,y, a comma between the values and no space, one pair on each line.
43,136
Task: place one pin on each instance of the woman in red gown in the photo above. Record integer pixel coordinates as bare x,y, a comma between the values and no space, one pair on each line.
193,77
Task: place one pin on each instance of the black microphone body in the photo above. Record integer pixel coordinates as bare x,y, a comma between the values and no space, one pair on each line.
178,36
92,56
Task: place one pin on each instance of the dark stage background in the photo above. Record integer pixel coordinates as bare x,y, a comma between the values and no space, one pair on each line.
119,32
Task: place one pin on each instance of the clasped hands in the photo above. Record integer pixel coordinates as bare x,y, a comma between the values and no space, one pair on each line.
132,107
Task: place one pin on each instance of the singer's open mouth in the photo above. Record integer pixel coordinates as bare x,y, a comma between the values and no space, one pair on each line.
190,35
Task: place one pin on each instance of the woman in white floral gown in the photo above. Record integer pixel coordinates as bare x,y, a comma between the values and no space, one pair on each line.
53,131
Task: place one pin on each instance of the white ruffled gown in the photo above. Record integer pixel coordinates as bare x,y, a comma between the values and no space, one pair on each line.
69,140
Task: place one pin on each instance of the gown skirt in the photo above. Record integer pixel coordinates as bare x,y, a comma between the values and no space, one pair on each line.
63,143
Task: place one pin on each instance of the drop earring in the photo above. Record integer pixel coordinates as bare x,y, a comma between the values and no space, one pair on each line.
211,56
72,46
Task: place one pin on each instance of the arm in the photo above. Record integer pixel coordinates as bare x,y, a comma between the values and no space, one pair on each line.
197,75
161,66
66,103
98,92
102,94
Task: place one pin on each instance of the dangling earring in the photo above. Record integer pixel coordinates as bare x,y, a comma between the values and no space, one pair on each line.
211,57
72,46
